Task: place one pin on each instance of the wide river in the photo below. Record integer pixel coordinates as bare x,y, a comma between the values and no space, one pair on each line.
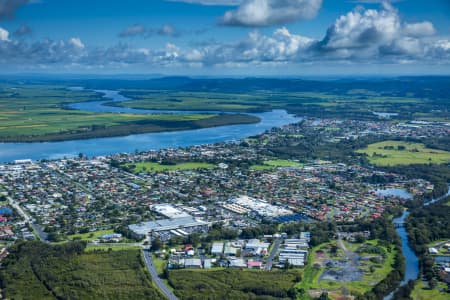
148,141
152,141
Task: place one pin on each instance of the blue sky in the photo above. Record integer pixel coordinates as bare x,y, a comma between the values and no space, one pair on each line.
215,37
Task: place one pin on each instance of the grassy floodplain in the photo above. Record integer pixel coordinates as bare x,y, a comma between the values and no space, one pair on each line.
356,103
148,167
31,113
35,270
256,101
392,153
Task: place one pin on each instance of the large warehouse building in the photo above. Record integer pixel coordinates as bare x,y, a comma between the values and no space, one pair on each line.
178,224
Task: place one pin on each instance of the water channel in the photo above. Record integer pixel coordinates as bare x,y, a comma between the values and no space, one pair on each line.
154,141
411,260
147,141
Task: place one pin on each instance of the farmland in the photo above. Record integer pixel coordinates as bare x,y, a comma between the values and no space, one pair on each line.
257,101
362,100
30,113
38,112
392,153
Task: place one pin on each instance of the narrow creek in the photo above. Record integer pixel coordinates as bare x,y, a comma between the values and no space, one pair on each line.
411,259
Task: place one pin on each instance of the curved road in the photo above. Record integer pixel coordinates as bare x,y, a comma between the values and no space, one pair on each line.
151,268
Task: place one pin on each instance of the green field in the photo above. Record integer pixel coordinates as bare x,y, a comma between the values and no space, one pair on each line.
172,100
36,270
37,113
148,167
270,164
90,236
232,284
259,100
422,293
391,153
354,103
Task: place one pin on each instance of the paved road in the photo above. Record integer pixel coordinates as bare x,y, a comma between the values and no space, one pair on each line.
272,254
19,209
42,235
151,268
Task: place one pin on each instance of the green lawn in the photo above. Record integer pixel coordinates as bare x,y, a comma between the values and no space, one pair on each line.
388,153
442,250
270,164
311,274
422,293
90,236
159,264
148,167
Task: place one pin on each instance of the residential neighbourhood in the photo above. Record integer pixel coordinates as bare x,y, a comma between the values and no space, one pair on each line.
241,188
144,197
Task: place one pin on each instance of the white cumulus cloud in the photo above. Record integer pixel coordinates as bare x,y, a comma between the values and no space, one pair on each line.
76,42
4,34
258,13
362,36
419,29
376,35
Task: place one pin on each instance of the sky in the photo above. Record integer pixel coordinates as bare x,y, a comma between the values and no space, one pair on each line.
225,37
